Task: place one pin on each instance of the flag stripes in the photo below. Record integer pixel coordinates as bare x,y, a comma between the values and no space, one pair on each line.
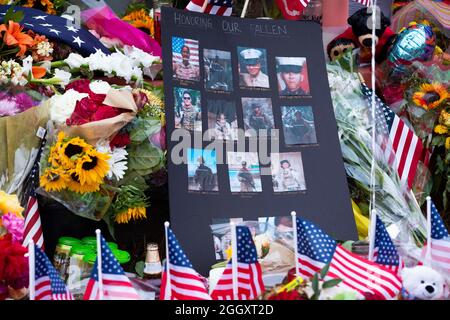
216,7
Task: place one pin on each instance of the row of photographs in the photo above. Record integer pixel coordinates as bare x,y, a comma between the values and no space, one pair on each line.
244,171
297,121
291,72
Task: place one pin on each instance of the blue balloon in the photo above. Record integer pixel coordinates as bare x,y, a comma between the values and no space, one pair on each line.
415,43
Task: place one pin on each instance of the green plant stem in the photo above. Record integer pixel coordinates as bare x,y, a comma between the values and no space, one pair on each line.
58,64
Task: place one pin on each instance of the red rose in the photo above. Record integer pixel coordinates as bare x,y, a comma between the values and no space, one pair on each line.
120,140
105,112
292,295
84,110
81,86
140,99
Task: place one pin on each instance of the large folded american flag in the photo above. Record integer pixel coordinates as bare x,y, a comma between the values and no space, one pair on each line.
402,148
440,242
316,249
48,284
181,282
249,274
217,7
385,252
116,285
58,29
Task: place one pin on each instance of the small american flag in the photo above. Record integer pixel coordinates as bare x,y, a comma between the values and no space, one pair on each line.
316,249
116,285
440,242
58,29
185,282
177,46
402,148
250,284
385,252
48,284
217,7
32,224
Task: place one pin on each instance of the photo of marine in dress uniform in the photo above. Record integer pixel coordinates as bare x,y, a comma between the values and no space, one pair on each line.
253,68
298,125
185,61
187,113
218,71
292,76
287,172
244,172
202,170
258,116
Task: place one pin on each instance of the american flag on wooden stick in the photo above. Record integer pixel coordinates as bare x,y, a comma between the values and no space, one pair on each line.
217,7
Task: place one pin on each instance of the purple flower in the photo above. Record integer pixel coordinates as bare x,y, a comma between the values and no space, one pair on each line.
24,101
14,225
8,108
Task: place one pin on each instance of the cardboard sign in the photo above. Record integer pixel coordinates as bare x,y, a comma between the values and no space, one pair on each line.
250,126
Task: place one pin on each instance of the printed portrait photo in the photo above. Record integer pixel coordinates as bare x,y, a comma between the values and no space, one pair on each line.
202,170
244,172
292,74
185,59
222,120
253,68
187,109
258,116
287,172
298,125
218,71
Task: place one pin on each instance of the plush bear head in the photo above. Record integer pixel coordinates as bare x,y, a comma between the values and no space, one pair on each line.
423,283
362,26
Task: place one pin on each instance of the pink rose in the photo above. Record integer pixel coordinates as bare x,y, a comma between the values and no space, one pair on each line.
14,225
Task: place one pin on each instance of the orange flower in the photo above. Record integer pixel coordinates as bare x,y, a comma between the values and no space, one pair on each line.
47,4
430,96
38,72
14,37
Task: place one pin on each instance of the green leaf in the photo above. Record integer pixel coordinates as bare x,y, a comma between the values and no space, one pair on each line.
13,16
331,283
315,283
144,158
143,128
134,179
139,268
324,271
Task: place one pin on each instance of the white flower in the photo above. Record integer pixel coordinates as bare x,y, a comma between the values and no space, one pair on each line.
62,106
100,87
121,65
44,49
111,43
74,60
117,162
63,76
99,61
27,66
139,56
47,65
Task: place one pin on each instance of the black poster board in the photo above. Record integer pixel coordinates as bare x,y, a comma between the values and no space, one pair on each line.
319,192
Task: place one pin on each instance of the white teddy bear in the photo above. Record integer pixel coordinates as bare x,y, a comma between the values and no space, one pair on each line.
422,283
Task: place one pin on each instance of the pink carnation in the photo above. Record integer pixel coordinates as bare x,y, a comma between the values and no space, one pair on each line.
14,225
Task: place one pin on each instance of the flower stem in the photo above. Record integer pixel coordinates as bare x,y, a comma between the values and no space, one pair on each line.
58,64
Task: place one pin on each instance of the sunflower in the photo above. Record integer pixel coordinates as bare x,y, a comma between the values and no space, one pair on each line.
41,4
54,179
54,156
73,184
440,129
131,213
444,118
92,167
430,96
141,20
72,150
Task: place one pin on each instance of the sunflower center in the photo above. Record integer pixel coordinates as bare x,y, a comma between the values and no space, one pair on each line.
90,165
74,177
72,149
431,96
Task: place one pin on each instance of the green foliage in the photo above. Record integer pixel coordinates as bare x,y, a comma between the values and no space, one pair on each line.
143,128
139,268
10,15
145,158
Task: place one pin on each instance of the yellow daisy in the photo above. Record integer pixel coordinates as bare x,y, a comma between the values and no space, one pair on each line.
54,179
430,96
440,129
73,184
131,213
92,167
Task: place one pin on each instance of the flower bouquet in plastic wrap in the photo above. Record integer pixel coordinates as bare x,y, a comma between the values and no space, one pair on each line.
395,203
